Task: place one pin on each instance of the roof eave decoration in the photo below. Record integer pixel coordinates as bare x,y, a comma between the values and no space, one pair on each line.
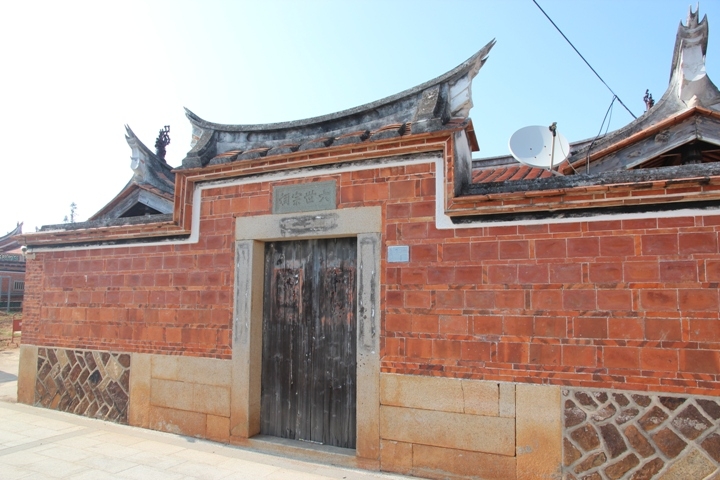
425,108
689,88
151,174
688,77
7,242
147,167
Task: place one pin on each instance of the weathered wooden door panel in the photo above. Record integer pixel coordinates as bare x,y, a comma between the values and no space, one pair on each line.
309,341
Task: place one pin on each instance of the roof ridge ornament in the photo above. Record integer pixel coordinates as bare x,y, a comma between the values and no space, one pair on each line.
162,141
648,99
688,75
148,167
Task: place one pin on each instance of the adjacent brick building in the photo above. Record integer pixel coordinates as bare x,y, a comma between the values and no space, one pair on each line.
12,271
485,319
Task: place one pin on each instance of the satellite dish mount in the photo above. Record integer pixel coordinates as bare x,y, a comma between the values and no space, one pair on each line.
553,129
535,146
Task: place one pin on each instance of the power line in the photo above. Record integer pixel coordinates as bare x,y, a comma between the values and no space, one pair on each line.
609,111
583,58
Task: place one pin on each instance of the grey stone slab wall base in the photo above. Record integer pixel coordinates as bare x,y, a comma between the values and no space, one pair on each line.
633,435
89,383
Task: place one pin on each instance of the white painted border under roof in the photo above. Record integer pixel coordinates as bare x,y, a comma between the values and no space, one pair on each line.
442,221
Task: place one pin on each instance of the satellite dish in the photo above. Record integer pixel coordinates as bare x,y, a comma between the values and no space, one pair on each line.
539,146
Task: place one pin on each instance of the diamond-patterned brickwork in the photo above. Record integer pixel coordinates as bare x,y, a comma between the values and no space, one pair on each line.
90,383
639,436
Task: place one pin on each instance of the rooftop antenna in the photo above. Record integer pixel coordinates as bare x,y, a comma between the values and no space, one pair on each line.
536,145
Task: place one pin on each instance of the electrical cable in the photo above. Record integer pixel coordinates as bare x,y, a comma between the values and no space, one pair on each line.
583,58
609,120
566,155
600,134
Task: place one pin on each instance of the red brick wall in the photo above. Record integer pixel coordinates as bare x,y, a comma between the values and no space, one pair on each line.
618,304
174,298
146,299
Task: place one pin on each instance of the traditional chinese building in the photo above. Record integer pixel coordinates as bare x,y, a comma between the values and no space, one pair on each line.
12,271
354,288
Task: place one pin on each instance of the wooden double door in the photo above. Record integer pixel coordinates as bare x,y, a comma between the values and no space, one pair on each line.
309,341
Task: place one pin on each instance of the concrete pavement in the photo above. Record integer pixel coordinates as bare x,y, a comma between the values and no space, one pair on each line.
9,360
40,443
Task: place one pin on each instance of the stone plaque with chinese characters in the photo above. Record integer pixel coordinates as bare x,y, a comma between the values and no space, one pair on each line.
307,197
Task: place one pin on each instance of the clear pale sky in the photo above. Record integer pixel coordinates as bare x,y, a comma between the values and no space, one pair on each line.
73,73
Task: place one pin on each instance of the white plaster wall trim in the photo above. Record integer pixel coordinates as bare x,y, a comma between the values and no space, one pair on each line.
442,221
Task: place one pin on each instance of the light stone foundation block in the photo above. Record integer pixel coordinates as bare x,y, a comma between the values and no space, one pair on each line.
204,371
539,431
165,366
171,394
428,393
211,400
442,394
438,427
139,405
450,430
181,422
27,374
442,463
218,428
187,395
396,457
507,400
480,398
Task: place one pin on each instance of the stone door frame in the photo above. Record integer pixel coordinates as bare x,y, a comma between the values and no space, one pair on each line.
251,233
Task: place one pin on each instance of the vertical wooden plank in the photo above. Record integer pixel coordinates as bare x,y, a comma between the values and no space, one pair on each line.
304,252
309,341
267,391
338,309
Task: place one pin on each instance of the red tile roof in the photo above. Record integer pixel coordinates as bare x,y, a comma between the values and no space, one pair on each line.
508,173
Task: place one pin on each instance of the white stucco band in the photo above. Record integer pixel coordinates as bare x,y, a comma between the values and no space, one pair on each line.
442,220
251,233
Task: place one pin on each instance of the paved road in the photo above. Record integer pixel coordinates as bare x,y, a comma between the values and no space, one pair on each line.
40,443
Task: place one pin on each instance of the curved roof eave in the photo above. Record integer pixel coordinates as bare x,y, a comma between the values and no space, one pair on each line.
7,242
472,64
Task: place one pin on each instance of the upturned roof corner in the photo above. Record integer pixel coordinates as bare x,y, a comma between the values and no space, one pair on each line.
428,107
688,76
689,90
147,167
151,188
8,242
